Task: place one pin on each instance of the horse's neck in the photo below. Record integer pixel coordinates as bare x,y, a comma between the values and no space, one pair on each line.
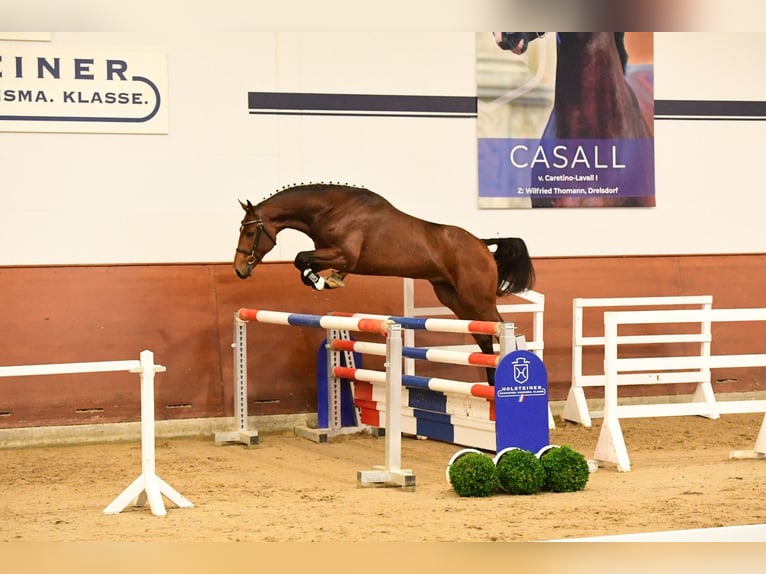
291,211
591,93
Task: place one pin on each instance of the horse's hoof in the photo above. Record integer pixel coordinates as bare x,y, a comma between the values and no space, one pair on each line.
333,281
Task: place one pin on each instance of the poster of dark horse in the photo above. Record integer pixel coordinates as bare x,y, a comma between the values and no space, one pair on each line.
565,119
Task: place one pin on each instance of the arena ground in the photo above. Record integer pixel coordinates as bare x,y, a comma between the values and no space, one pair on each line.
290,489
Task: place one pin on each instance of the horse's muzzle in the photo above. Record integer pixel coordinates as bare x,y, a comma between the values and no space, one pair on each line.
242,275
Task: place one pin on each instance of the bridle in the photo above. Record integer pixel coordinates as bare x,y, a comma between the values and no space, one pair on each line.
504,36
260,230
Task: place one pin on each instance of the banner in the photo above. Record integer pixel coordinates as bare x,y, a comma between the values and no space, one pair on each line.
565,119
48,90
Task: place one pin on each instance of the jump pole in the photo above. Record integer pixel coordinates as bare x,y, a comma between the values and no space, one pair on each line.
148,486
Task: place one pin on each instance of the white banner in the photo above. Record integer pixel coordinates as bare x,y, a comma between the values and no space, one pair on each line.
45,90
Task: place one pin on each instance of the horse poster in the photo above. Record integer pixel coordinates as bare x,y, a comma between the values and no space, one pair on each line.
565,119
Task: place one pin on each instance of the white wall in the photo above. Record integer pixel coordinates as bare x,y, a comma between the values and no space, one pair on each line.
96,198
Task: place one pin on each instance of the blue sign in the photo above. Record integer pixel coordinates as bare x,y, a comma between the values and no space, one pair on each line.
521,402
557,168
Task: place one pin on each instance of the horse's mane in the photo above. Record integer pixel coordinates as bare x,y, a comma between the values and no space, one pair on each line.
306,188
619,40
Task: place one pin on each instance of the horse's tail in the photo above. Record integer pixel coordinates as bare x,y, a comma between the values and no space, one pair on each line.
514,266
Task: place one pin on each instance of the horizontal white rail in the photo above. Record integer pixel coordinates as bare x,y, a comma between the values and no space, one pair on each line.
671,363
649,339
689,408
685,316
644,301
68,368
646,378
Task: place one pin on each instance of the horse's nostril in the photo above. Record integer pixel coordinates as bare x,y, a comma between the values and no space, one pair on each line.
240,274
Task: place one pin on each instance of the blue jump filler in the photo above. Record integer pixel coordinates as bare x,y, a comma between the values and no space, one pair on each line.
521,402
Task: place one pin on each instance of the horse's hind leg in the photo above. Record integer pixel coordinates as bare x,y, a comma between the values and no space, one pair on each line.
468,310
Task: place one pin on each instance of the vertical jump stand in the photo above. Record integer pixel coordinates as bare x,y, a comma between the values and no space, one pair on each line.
391,473
242,435
148,486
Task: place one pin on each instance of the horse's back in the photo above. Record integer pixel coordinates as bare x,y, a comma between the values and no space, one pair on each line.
397,243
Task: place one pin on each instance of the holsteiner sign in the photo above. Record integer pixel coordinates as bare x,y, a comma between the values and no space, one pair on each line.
521,402
48,90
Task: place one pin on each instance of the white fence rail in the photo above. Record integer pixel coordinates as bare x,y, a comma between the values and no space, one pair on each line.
576,406
535,304
611,444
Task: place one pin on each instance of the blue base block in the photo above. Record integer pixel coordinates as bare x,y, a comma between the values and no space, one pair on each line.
347,408
437,426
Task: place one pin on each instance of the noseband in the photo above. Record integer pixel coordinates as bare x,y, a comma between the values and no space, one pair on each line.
260,230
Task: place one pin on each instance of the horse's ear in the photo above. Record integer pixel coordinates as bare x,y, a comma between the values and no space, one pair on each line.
246,206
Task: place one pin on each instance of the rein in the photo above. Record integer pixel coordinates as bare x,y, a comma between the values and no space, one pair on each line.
260,230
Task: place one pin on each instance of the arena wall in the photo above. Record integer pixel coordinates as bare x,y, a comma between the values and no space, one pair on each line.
184,314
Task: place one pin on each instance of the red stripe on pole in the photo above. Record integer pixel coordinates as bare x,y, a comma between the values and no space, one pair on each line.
248,314
485,392
483,327
373,325
344,372
483,360
342,345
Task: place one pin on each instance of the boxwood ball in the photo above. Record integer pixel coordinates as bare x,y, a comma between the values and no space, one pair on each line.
473,474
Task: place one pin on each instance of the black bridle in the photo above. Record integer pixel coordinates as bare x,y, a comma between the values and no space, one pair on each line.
509,39
260,230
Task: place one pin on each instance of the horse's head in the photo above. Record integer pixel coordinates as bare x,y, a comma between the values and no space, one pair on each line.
255,241
516,42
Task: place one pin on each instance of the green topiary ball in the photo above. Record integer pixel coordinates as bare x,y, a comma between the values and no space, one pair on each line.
473,474
566,470
520,472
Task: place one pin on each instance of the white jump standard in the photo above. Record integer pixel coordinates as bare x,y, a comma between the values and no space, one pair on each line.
148,486
611,444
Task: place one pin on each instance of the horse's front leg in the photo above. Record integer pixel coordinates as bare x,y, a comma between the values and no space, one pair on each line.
310,263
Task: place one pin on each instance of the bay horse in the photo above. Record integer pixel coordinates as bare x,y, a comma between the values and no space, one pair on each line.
357,231
596,96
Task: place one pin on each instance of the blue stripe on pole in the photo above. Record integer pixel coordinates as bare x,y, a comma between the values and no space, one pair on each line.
415,381
301,320
410,322
415,353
